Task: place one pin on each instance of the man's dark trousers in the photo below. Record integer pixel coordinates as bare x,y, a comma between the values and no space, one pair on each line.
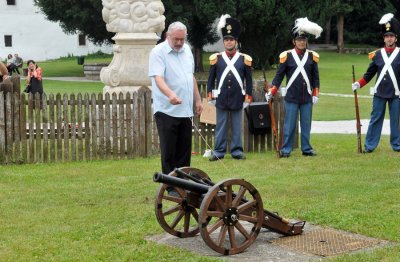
175,135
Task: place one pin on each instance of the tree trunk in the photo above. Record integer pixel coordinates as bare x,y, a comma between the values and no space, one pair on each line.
198,59
340,29
328,31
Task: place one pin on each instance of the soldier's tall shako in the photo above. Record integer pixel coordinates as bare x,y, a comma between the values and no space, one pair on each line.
300,66
385,62
230,83
389,25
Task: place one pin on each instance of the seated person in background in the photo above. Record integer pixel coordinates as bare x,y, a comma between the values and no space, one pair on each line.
10,64
18,62
34,78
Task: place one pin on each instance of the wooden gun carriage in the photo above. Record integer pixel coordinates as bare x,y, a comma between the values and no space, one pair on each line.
229,215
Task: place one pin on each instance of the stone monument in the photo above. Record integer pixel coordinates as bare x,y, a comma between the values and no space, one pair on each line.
135,23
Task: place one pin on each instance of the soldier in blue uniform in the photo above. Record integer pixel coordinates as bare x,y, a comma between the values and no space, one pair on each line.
230,83
385,62
300,66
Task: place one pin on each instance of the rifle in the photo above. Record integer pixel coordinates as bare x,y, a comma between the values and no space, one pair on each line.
273,122
358,125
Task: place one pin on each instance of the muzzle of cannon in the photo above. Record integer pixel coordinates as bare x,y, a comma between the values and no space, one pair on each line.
229,215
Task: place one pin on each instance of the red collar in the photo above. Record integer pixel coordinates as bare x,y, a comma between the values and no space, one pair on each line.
230,54
389,49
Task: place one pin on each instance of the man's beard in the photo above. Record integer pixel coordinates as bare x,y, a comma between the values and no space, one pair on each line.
177,48
391,45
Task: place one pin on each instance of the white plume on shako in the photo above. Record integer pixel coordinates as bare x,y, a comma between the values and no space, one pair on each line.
305,25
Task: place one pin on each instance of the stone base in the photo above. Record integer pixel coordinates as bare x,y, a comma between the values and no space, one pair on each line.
121,89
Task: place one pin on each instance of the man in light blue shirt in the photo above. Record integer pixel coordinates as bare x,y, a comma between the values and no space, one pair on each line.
174,88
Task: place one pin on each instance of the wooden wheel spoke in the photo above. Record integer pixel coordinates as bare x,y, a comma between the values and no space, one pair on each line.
195,215
215,214
214,227
222,234
239,196
248,219
232,236
174,215
227,209
228,199
220,203
177,219
246,206
186,223
172,210
242,230
180,191
173,199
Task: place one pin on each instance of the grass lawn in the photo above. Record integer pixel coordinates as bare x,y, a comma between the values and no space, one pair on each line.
102,211
330,108
69,87
68,66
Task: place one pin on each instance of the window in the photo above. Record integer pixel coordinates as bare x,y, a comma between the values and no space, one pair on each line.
82,40
10,2
8,40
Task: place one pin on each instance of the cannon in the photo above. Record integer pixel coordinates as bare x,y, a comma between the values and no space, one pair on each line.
229,215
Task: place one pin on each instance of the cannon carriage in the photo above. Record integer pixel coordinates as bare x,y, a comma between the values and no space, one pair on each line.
229,215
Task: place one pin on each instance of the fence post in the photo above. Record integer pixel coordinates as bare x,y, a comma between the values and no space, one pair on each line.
2,129
16,83
148,120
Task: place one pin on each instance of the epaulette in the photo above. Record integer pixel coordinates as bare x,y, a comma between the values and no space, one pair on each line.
247,59
371,55
315,56
213,58
283,57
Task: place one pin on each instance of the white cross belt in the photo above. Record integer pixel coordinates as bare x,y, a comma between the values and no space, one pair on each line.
230,66
388,67
299,69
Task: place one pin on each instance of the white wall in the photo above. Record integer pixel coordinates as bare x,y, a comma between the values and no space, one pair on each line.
34,37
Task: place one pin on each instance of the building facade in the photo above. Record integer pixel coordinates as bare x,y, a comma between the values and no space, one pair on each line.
26,31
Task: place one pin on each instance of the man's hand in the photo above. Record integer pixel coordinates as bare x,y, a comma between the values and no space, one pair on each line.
315,100
199,107
209,96
248,99
355,86
175,100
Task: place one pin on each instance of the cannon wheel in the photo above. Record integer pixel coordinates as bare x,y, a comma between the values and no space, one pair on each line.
173,212
238,216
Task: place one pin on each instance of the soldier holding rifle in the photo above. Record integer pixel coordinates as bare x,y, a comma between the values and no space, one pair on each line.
300,66
386,64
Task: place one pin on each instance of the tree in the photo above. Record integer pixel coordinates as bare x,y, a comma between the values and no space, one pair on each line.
202,32
267,26
77,16
342,8
396,6
362,24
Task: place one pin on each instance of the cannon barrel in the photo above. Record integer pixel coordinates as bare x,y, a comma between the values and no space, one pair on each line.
181,183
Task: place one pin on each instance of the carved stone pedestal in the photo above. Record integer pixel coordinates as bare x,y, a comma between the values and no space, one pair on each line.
128,69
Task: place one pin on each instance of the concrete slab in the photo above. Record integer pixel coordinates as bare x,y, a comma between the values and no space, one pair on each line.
267,246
